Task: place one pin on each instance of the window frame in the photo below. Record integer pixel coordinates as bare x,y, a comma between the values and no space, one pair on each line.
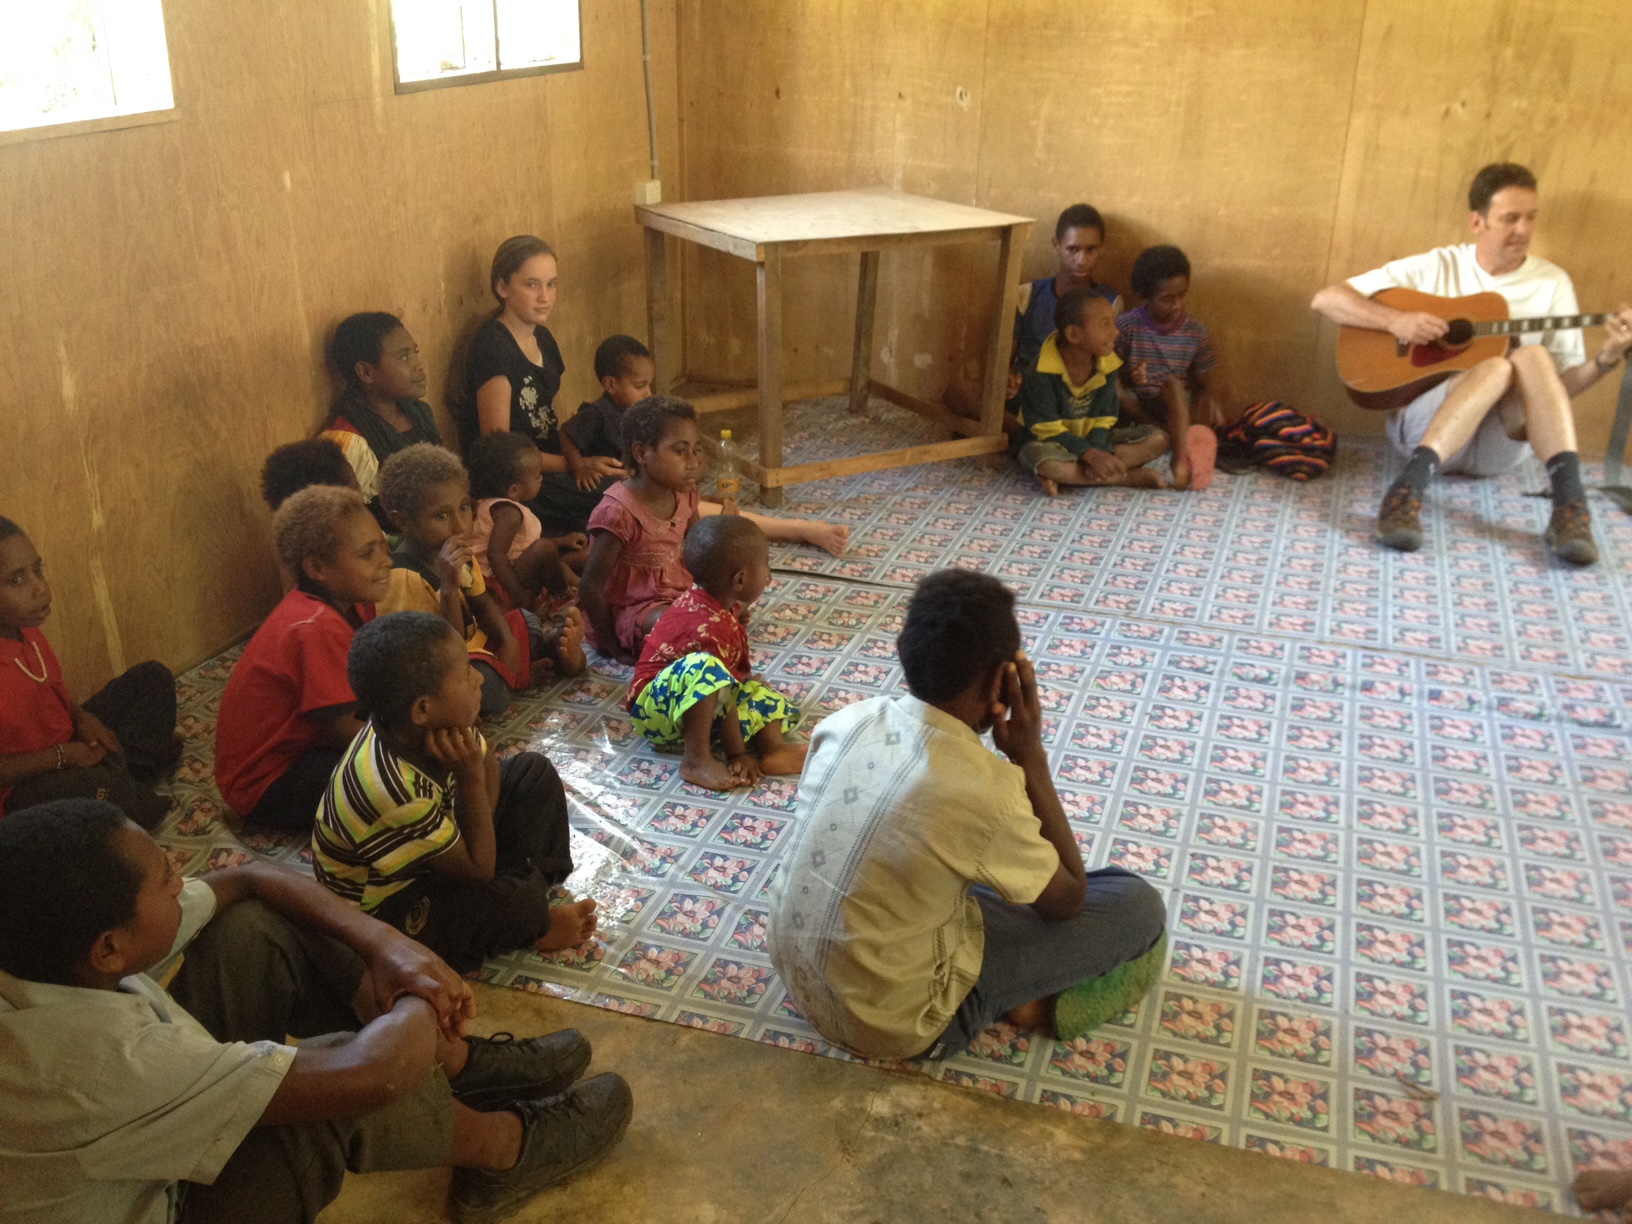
473,78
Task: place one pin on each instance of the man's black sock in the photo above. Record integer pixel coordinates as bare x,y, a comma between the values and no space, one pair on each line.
1564,469
1419,469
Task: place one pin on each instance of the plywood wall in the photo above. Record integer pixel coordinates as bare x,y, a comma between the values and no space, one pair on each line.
168,288
1283,144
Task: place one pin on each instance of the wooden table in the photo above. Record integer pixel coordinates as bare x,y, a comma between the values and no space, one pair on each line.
769,229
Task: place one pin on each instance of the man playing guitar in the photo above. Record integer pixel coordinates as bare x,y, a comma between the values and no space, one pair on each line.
1481,422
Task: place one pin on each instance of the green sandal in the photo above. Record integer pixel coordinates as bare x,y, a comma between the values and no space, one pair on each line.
1083,1008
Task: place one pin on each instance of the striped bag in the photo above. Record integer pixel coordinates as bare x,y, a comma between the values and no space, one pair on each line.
1276,437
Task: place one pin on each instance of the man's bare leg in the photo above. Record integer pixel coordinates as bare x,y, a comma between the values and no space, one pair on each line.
1549,423
1472,395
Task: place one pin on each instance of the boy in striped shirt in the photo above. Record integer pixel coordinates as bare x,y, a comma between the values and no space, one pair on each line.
1171,364
423,827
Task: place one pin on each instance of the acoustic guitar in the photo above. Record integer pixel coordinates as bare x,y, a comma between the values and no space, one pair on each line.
1382,372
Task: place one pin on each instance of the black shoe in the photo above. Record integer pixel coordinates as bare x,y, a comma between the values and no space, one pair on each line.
501,1069
1399,522
560,1136
1569,534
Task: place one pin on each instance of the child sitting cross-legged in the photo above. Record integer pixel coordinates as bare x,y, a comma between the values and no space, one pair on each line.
1070,402
423,827
287,713
1171,364
693,678
518,562
115,746
426,492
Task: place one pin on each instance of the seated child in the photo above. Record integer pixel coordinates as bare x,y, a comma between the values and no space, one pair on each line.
1069,403
1079,240
114,747
382,408
121,1101
423,827
635,570
426,493
694,677
288,711
1171,365
933,887
517,562
299,465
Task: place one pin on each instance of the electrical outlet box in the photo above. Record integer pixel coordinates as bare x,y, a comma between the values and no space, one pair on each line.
649,192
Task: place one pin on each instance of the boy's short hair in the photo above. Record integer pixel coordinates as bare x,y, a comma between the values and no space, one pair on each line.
647,421
1072,307
360,337
308,524
494,461
1492,179
615,353
407,475
719,546
1155,265
393,664
1079,216
63,882
8,528
960,624
299,465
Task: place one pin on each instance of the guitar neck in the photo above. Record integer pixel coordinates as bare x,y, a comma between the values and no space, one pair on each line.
1517,327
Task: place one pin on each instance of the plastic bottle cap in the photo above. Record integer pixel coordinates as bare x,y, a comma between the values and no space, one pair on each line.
725,435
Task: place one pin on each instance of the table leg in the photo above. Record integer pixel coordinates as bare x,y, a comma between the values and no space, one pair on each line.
861,357
657,311
997,350
769,278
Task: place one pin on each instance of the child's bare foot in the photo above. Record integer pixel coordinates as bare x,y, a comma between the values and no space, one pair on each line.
784,760
1144,478
1181,471
710,774
567,650
1602,1189
832,537
1051,488
570,925
1031,1017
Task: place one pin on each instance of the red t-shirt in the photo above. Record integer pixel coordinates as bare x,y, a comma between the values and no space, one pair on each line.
35,709
295,665
694,622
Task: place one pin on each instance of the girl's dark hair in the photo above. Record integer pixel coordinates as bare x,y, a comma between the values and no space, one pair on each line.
959,625
393,663
8,528
300,465
1155,265
615,353
647,422
512,253
494,462
360,337
63,882
1079,216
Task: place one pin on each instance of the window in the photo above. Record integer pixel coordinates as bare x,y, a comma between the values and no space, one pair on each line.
453,42
66,61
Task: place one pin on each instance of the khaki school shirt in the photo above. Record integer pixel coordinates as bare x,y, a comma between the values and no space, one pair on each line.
108,1098
872,928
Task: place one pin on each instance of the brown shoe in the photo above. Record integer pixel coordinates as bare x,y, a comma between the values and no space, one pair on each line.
1569,534
1399,522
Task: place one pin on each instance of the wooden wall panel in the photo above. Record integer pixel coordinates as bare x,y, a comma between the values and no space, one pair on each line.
170,287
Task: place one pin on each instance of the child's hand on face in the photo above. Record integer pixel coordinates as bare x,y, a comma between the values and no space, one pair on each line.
459,748
451,560
1017,719
81,755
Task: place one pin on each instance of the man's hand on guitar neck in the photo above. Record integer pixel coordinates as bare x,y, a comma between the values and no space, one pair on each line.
1617,337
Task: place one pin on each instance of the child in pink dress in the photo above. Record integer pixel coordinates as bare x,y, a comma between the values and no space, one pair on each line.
635,570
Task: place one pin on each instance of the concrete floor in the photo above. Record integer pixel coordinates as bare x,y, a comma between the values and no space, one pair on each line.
731,1130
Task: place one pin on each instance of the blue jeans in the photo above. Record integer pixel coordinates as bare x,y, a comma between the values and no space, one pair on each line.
1031,957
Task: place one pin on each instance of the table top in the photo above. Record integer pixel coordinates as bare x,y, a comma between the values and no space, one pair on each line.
841,218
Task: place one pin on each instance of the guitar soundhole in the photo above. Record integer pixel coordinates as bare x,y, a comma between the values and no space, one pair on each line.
1458,334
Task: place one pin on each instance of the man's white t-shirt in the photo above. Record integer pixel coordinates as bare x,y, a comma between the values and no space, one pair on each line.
1534,289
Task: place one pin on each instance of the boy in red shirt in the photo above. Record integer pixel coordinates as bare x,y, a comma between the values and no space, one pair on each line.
288,712
694,679
113,747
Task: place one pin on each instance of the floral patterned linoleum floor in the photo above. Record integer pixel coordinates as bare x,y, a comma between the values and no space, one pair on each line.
1389,798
